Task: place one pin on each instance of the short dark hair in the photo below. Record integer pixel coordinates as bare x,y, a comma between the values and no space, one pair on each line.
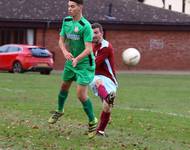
78,1
97,25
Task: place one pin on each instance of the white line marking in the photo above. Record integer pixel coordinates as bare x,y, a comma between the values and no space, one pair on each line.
12,90
159,112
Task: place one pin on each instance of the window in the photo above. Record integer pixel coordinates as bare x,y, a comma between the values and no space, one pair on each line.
3,49
14,49
39,52
30,36
13,35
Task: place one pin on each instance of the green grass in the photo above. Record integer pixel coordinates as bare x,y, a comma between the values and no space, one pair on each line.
152,112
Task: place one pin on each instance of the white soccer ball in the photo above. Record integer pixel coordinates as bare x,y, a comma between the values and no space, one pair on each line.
131,56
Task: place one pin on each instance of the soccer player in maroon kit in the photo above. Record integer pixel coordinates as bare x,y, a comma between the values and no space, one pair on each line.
104,84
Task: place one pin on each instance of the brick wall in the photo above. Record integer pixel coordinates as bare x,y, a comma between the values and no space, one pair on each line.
160,50
49,39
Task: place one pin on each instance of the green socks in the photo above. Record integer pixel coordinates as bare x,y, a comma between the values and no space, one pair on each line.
88,108
87,105
61,100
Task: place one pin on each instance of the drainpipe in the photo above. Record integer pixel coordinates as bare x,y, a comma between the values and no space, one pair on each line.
163,3
47,26
142,1
110,10
183,6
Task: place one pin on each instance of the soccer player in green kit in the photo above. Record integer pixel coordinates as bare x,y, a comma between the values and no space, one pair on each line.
76,44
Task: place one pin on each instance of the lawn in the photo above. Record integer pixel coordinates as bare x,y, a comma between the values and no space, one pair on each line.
152,112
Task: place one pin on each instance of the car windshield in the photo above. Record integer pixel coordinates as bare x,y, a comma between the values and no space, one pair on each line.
39,52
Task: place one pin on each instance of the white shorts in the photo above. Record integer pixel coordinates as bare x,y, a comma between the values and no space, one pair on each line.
109,85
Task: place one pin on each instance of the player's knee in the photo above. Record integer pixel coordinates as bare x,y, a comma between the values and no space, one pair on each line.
82,97
65,87
106,107
98,83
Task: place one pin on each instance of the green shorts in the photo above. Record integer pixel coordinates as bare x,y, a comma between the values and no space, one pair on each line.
82,75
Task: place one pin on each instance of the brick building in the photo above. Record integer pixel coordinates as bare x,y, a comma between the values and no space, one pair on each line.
162,36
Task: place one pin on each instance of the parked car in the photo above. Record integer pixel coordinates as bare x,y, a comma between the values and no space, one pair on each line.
21,58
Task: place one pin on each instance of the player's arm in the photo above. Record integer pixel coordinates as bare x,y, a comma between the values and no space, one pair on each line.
102,55
65,52
87,37
62,46
86,52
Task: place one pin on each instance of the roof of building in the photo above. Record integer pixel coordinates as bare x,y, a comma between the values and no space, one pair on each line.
115,11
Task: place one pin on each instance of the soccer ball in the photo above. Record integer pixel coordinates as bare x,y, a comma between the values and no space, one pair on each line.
131,56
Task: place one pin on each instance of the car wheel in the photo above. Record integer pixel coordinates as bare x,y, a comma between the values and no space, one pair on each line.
17,68
45,72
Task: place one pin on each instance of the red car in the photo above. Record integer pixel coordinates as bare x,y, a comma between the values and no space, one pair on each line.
20,58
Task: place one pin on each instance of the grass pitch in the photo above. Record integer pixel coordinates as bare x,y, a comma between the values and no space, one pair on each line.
152,112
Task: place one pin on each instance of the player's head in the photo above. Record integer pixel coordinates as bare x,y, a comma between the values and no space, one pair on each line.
98,32
75,7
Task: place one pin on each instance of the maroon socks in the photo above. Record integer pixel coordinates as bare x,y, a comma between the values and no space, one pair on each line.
104,119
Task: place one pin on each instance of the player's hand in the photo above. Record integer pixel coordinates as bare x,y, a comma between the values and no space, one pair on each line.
68,55
74,62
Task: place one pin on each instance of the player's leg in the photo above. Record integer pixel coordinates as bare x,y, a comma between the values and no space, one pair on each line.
103,93
67,76
106,91
83,78
61,101
82,94
63,95
104,119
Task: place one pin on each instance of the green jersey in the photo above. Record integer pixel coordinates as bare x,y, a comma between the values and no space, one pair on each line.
76,33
